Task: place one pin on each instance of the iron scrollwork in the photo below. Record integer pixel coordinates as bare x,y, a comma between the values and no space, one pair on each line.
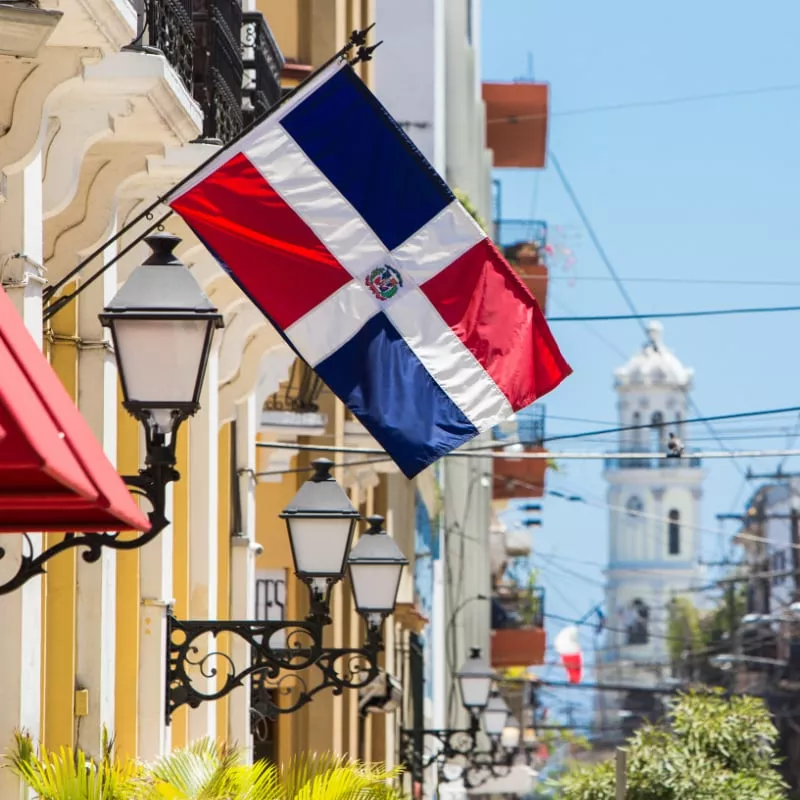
279,685
418,752
151,483
481,766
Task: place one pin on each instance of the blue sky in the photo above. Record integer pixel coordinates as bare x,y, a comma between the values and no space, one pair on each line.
698,190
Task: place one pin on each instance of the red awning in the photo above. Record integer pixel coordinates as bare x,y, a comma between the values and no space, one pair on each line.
54,476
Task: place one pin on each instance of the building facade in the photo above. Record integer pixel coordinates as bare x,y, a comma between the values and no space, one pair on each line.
654,512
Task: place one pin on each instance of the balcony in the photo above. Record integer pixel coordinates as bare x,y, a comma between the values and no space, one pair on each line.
516,123
524,244
520,477
518,638
227,59
263,63
612,464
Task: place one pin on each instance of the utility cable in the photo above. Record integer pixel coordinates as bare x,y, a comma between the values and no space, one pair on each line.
715,312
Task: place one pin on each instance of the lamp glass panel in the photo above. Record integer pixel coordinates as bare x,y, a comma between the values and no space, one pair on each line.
160,358
375,586
320,545
475,690
494,717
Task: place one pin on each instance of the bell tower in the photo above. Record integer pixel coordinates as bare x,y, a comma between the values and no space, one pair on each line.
654,508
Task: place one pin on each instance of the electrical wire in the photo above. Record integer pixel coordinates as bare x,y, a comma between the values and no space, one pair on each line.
669,101
716,312
691,281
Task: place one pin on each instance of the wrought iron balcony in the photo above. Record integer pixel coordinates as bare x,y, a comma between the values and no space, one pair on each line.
612,464
263,63
514,607
228,60
510,232
218,70
171,30
518,638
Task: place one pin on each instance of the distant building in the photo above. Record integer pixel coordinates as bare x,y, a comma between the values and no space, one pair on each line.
654,547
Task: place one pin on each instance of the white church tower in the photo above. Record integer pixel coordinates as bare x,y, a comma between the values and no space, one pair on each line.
654,549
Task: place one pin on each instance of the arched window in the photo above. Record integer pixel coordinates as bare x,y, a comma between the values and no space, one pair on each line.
636,433
634,507
638,622
674,532
659,431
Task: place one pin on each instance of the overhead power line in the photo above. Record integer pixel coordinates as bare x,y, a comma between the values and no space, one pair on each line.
667,101
687,280
716,312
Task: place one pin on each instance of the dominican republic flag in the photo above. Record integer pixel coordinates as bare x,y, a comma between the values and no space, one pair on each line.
569,648
337,228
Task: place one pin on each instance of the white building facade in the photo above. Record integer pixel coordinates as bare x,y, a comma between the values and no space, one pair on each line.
654,513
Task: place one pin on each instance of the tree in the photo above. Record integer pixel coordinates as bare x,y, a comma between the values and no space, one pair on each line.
714,748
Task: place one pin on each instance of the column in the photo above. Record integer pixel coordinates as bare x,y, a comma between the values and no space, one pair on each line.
243,571
96,583
655,546
203,536
21,611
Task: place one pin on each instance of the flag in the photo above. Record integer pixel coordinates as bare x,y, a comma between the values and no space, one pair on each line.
339,230
569,648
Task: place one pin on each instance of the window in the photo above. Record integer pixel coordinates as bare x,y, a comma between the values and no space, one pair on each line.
635,507
636,434
637,622
659,438
674,532
469,21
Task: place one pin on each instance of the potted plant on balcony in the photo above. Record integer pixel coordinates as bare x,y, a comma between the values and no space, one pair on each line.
520,640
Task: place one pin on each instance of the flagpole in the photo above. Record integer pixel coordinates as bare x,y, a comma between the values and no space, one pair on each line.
357,39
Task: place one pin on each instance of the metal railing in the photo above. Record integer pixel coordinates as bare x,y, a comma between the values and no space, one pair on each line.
218,69
612,464
228,60
518,608
171,30
509,232
263,62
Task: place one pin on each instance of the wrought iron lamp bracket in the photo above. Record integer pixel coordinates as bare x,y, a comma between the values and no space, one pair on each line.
482,766
151,483
275,669
450,743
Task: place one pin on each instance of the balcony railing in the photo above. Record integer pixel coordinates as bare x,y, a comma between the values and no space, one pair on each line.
228,60
263,62
514,608
612,464
218,70
509,232
171,30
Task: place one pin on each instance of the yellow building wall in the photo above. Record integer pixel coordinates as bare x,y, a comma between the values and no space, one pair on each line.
59,584
126,681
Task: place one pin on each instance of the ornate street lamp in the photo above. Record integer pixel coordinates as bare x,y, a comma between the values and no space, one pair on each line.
495,716
475,680
320,522
162,327
376,565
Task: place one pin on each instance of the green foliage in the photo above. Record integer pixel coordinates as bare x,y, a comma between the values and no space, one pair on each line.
72,775
203,771
469,207
208,771
716,748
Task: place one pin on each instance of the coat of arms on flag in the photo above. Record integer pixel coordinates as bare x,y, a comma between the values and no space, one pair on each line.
340,231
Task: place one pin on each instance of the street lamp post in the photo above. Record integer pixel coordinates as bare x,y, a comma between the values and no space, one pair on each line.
162,327
320,522
475,680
